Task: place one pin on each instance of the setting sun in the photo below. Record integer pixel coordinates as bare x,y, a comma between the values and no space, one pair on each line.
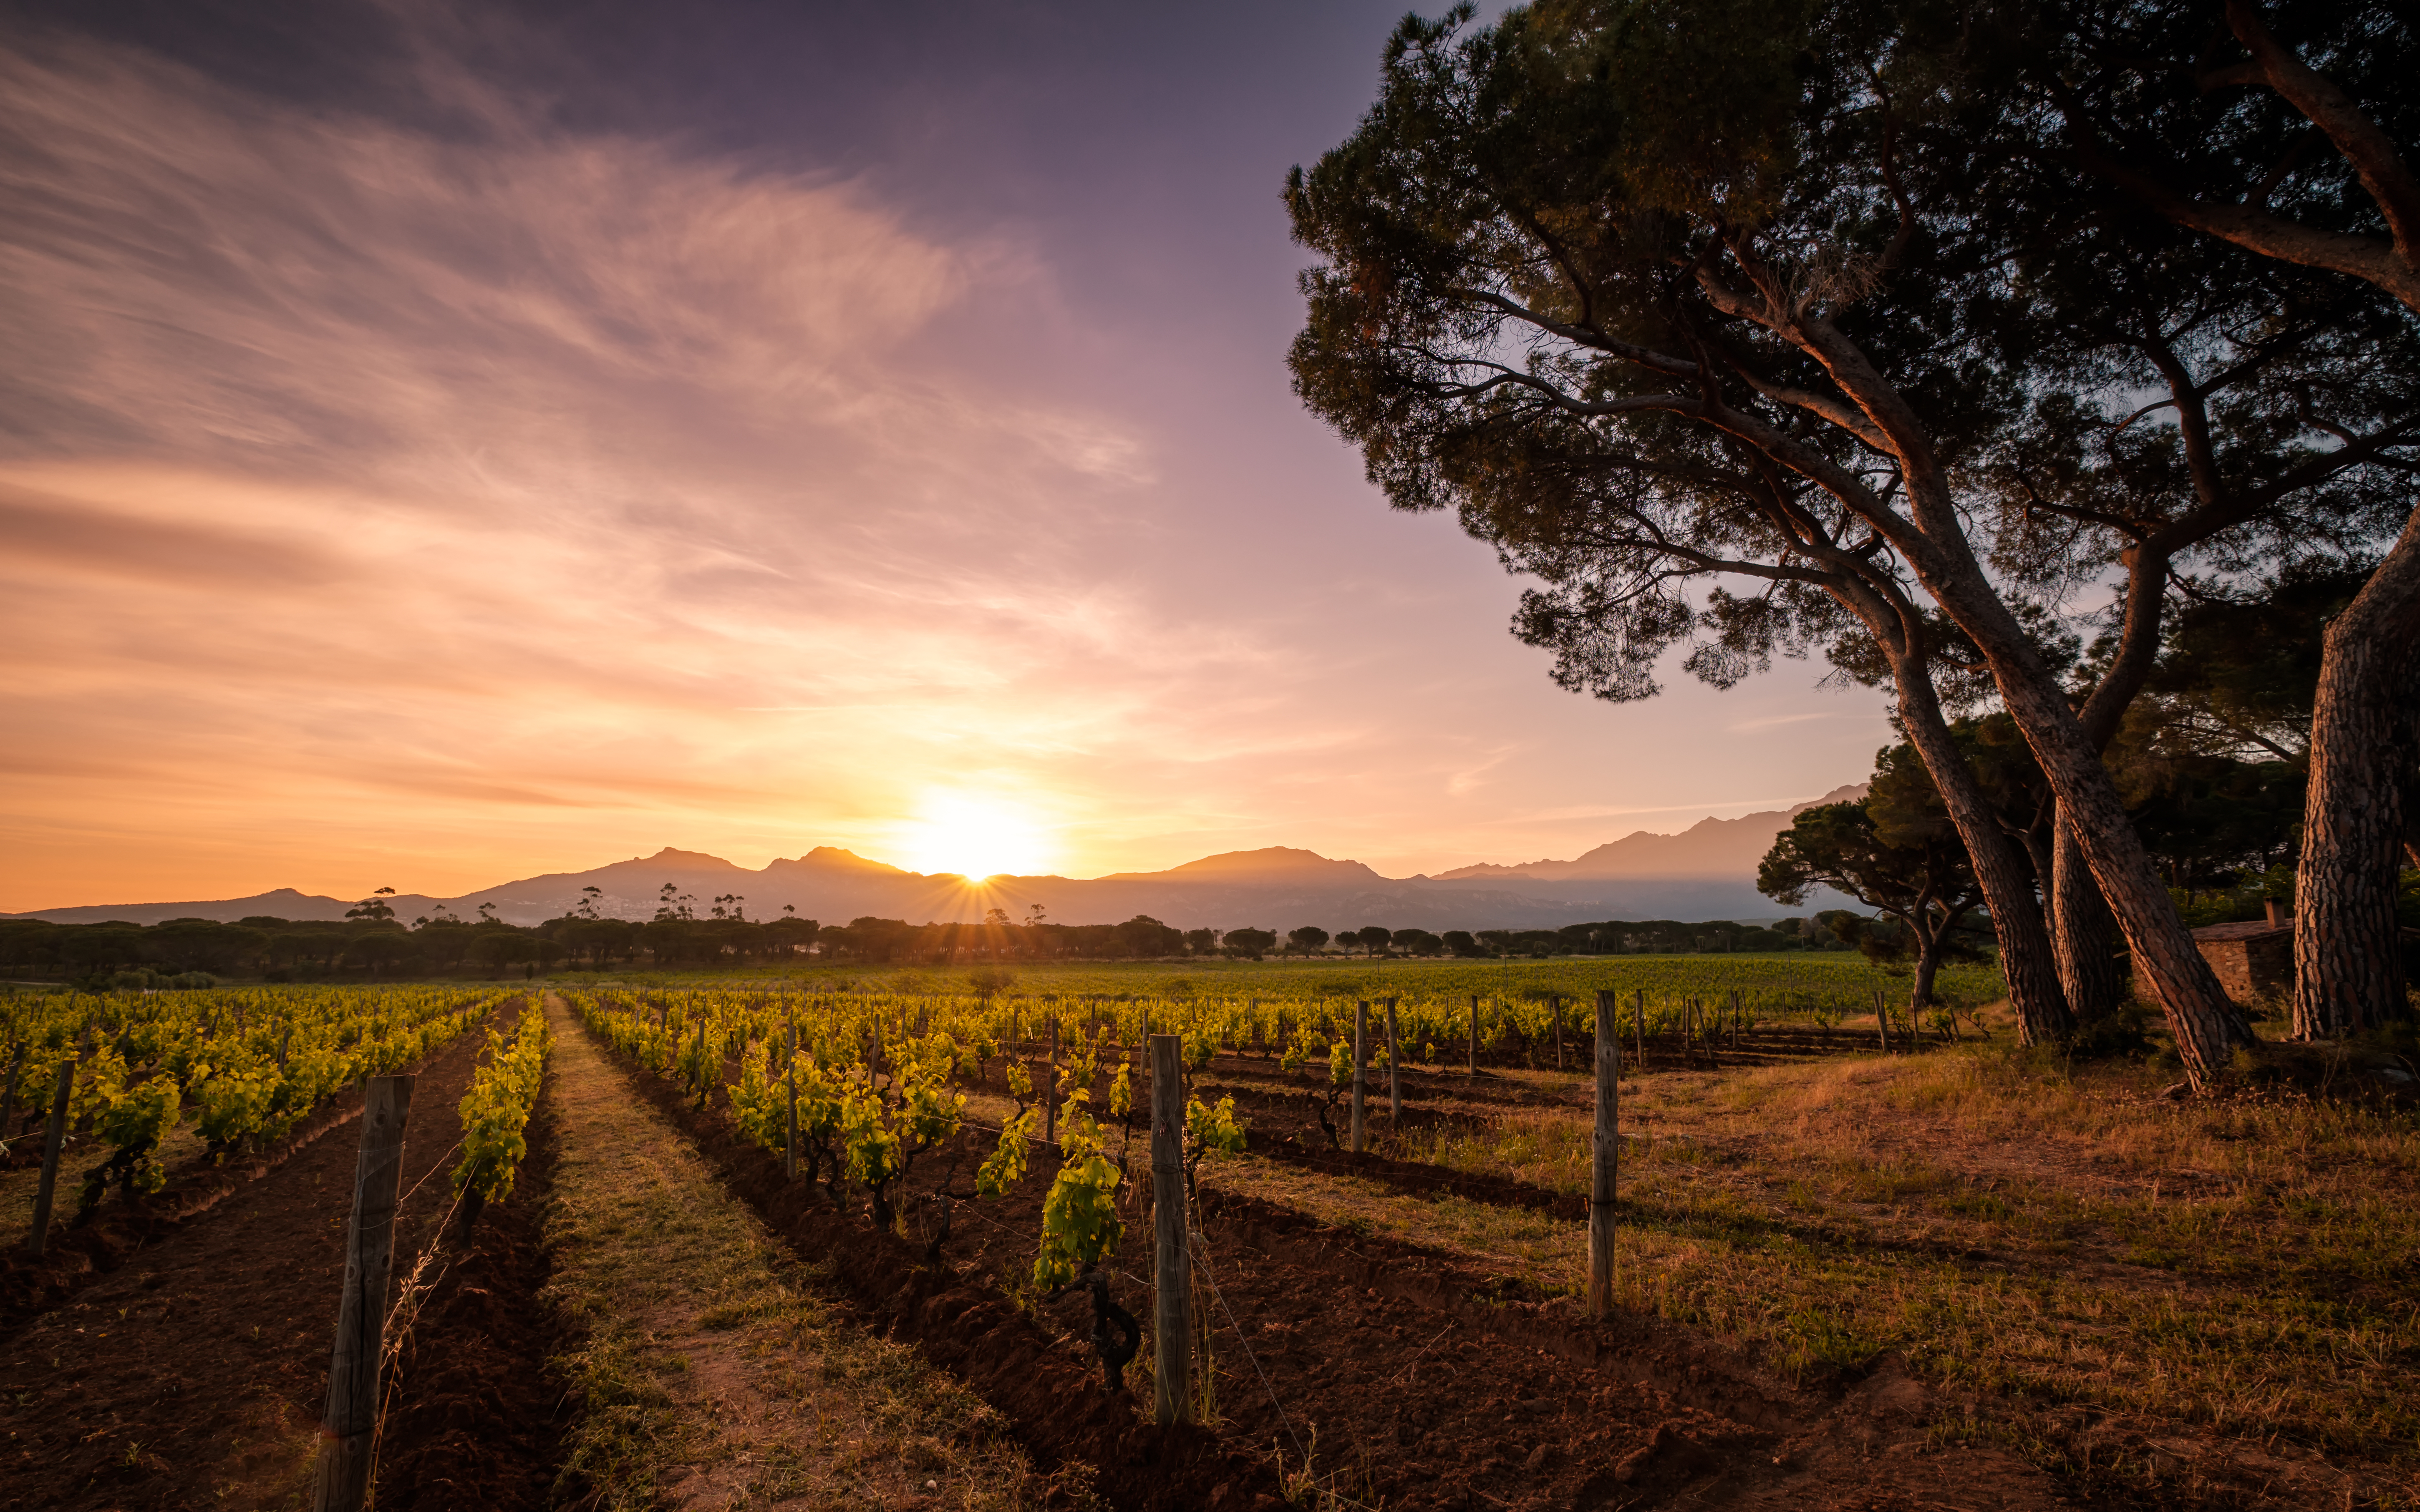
973,838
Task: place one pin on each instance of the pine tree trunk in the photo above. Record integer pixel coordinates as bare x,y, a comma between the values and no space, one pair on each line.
2347,966
2025,958
2084,933
2207,1028
1928,965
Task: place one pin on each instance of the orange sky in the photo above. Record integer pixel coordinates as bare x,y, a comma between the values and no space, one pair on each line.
387,505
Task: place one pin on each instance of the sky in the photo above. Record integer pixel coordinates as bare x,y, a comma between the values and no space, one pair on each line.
441,445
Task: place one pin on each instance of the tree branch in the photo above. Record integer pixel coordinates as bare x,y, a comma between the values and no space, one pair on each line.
2367,148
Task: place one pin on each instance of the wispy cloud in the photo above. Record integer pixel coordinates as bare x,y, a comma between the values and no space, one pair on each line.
382,457
1774,721
476,499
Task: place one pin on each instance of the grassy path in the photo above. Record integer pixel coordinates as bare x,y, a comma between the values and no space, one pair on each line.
715,1375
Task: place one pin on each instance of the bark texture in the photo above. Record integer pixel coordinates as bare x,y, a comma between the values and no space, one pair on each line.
2347,970
2086,936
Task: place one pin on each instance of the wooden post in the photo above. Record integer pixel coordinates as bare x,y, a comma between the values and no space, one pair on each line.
9,1096
1050,1089
1474,1034
1260,1041
1172,1273
349,1431
1360,1072
1394,1070
1881,1020
1643,1028
1555,1010
1605,1155
790,1077
48,1192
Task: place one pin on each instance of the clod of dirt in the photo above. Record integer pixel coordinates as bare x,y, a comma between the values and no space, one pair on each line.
1668,1454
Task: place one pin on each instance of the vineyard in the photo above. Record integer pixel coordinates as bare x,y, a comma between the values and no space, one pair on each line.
1313,1236
1798,986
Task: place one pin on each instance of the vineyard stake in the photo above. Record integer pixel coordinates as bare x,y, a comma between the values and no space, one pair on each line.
8,1097
1604,1154
1643,1028
1881,1020
349,1431
1474,1034
1555,1010
1172,1275
1394,1072
56,1141
790,1075
1361,1070
1050,1089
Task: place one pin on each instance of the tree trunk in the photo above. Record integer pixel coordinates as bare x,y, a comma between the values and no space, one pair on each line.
2205,1026
2347,966
2027,961
2085,935
1928,965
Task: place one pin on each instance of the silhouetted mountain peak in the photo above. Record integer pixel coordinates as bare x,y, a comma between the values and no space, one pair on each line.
1708,848
833,858
1708,870
1274,863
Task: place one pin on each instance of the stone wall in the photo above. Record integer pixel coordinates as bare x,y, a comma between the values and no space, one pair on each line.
2254,962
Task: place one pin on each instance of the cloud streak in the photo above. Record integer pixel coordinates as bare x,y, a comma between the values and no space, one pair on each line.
523,453
457,500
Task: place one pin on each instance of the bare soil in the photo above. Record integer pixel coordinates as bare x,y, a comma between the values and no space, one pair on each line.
190,1371
1407,1378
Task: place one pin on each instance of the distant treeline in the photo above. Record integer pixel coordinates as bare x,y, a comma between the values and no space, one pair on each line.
375,944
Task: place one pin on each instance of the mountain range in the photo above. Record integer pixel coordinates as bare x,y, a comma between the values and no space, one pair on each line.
1706,871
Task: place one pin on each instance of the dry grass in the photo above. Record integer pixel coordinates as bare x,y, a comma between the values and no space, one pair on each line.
714,1372
2009,1224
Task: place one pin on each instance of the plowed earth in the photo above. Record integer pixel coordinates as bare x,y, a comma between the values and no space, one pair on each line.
191,1372
1400,1374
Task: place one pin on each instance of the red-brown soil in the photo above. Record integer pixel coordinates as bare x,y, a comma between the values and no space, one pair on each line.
475,1420
969,1326
192,1373
80,1253
1407,1374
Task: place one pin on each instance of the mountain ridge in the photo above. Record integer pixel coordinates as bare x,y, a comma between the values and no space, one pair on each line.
1705,871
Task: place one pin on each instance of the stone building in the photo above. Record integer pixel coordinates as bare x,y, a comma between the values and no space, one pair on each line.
2255,961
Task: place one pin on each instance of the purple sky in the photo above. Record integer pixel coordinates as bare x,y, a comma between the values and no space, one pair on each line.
441,445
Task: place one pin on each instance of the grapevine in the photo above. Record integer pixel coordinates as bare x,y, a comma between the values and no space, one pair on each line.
495,1114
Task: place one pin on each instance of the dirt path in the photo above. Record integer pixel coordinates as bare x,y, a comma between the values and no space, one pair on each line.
193,1374
714,1370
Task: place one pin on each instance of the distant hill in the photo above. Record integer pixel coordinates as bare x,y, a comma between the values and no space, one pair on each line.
1705,871
1708,848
